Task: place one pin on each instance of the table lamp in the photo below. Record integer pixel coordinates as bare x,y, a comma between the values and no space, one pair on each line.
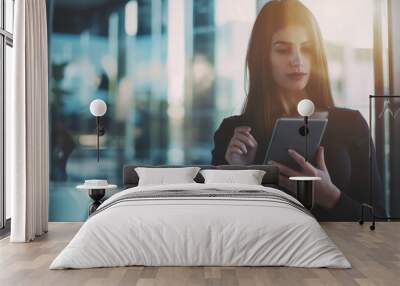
98,108
305,108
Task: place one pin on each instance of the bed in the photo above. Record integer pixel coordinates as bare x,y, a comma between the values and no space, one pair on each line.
198,224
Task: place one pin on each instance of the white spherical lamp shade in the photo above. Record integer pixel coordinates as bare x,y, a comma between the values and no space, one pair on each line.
305,107
98,107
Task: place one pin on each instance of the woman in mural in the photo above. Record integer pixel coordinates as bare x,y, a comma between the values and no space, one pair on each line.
286,63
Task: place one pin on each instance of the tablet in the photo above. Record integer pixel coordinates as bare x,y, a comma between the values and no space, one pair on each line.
288,133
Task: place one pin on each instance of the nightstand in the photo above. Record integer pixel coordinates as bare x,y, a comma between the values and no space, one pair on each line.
305,190
96,193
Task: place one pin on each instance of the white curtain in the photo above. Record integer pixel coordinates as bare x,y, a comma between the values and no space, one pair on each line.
27,123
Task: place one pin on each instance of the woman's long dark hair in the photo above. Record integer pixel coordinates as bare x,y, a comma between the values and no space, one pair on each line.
262,106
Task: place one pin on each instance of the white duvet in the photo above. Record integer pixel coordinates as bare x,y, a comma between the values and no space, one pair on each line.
200,231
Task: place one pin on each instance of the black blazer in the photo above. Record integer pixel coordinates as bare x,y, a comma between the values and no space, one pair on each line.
346,144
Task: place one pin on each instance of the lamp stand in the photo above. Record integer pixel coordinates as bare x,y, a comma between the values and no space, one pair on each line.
306,135
98,135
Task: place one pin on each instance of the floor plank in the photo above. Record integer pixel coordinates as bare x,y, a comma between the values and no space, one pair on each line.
374,255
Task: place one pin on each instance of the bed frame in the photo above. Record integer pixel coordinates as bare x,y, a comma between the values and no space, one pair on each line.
271,177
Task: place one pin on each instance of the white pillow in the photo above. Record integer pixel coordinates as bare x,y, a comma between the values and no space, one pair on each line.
248,177
162,176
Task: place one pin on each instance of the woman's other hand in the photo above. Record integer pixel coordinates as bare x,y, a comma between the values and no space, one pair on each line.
326,193
242,148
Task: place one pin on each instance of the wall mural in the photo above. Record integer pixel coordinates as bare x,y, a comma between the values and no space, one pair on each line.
203,82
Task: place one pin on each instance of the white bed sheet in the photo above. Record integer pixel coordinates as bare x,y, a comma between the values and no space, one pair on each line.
200,231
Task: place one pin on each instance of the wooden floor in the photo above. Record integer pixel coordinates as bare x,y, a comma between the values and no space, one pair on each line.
374,255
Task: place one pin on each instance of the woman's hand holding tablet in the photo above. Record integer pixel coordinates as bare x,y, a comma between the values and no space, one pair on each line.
326,193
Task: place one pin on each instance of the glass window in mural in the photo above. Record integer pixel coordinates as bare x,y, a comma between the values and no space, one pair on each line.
170,71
